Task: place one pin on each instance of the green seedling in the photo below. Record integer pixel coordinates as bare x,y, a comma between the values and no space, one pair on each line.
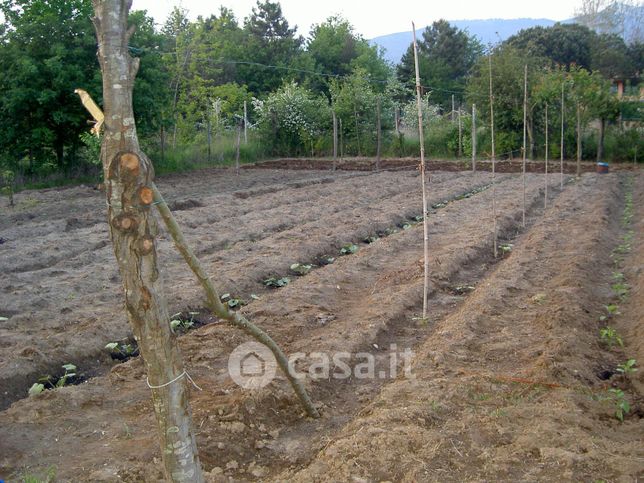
506,247
231,301
627,367
621,290
442,204
370,239
276,282
618,276
301,268
326,260
36,389
417,218
405,226
181,324
348,249
622,407
609,336
612,309
120,350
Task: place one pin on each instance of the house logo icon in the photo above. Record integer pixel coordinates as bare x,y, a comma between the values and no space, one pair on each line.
252,365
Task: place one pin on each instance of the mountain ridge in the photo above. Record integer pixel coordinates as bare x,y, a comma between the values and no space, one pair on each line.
488,31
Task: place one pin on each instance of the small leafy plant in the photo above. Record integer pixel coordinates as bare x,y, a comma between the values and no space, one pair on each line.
182,324
622,407
627,367
122,351
621,290
301,268
232,302
274,282
50,382
348,249
506,247
371,239
610,337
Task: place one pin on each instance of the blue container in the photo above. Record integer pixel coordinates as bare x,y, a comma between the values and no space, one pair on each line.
602,168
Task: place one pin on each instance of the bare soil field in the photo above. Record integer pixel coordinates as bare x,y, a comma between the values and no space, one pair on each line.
410,163
509,374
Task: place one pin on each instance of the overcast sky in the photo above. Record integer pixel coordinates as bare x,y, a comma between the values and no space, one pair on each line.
376,17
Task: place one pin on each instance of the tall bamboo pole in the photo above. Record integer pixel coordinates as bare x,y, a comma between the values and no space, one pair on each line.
460,134
545,198
496,253
561,147
453,108
422,178
378,134
335,139
525,116
473,137
239,129
578,139
129,175
245,123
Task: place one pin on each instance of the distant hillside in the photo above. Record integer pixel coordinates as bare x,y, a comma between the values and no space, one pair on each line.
486,31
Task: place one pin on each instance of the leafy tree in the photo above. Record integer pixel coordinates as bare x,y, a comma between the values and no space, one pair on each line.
293,120
446,55
337,50
270,41
562,44
47,51
355,102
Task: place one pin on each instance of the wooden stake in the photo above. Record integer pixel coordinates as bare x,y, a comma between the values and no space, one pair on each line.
473,137
341,141
545,198
525,114
378,135
133,229
335,139
239,128
578,139
209,135
460,134
561,148
496,253
245,123
453,109
422,178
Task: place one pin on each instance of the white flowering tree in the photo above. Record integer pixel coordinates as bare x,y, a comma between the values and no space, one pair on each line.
293,120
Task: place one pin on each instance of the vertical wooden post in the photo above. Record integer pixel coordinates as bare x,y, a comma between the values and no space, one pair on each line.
473,137
460,134
341,141
378,135
422,178
335,139
561,147
209,135
525,114
239,129
578,139
129,177
545,198
453,108
245,123
355,115
397,120
496,253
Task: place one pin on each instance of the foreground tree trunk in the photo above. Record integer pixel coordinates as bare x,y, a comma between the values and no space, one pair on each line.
128,177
